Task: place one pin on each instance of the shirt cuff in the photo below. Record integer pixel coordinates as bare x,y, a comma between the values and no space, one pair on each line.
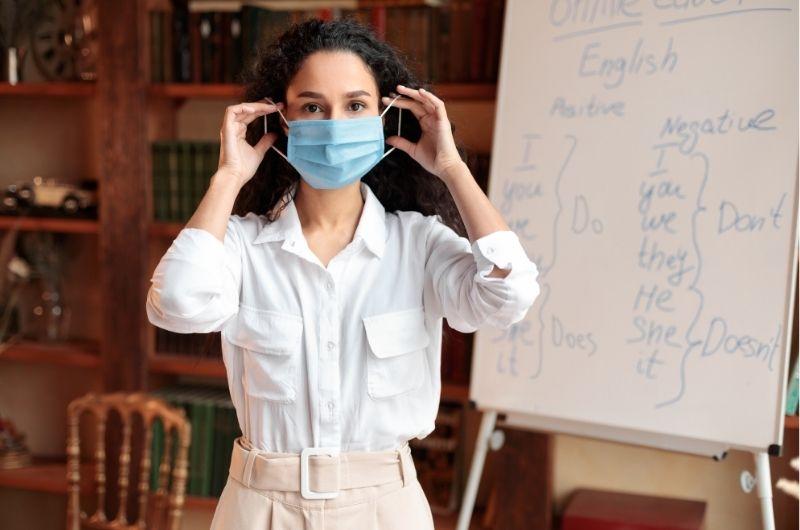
501,248
200,247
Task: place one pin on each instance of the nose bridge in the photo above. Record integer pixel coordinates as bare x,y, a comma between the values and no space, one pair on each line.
335,113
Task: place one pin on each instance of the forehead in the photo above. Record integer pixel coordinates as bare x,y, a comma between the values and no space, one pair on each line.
333,74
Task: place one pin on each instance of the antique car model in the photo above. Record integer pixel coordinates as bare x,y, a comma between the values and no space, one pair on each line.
41,193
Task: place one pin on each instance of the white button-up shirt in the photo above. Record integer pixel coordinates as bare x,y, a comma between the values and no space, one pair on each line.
347,355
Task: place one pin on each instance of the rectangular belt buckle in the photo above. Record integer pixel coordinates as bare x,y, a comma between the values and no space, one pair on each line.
305,490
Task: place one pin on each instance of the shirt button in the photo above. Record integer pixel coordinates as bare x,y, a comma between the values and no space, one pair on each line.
291,243
490,250
330,285
331,345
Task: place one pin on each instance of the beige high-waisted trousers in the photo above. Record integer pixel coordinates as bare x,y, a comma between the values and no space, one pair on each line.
378,490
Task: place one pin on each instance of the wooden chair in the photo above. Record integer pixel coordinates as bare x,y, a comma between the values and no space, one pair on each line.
167,506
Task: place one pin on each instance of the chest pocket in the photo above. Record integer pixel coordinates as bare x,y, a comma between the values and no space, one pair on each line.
396,362
271,341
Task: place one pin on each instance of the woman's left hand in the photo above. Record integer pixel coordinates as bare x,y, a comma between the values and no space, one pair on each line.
435,150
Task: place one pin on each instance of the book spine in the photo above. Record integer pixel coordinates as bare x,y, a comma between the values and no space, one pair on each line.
172,179
168,47
793,391
208,447
156,19
186,150
181,46
156,452
158,194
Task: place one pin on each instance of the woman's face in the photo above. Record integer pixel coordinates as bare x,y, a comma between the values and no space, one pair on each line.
332,85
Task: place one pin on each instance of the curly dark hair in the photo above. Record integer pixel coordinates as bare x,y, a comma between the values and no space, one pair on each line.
398,181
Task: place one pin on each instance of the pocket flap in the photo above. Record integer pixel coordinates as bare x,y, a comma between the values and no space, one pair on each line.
397,332
265,331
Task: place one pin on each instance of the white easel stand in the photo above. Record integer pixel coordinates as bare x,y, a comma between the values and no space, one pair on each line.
486,433
764,483
488,420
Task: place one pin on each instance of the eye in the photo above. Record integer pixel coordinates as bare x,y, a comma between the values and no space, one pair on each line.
359,103
307,107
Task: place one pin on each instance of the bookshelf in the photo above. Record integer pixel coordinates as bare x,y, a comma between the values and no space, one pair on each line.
124,241
45,224
181,91
77,353
49,89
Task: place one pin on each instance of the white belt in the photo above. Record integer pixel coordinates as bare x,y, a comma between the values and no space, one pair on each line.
322,476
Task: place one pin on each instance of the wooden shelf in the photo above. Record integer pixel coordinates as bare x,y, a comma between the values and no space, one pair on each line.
49,89
791,422
196,90
446,91
46,475
49,475
50,224
83,354
164,363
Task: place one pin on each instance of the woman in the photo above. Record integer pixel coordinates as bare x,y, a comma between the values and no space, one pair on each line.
327,267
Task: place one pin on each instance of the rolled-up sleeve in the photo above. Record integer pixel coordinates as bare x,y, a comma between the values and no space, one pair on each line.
195,286
463,291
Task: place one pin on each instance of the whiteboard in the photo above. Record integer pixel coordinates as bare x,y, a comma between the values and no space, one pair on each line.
646,155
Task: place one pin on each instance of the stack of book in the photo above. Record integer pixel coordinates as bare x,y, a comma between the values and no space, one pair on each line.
793,390
182,171
214,429
199,41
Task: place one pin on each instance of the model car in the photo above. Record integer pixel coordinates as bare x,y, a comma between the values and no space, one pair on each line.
49,193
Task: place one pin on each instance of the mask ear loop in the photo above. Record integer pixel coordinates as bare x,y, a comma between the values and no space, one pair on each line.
265,127
399,122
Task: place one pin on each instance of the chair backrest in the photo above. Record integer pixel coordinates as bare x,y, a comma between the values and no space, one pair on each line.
167,506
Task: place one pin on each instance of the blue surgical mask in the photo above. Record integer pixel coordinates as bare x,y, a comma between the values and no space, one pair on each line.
334,153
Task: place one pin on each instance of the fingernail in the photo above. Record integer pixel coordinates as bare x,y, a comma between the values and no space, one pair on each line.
422,90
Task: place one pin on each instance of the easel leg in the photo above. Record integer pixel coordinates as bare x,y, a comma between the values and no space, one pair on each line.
764,485
488,421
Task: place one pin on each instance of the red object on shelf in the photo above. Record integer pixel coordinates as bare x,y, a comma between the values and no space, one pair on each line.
589,509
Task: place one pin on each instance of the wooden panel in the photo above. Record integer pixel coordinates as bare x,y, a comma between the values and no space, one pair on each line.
122,148
521,478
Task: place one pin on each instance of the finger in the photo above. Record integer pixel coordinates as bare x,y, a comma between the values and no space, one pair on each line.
402,143
414,93
256,108
249,112
435,101
265,143
416,108
250,106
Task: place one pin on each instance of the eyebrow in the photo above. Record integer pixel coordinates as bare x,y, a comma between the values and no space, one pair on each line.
317,95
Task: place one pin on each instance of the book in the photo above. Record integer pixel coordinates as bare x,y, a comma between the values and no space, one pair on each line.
792,391
211,41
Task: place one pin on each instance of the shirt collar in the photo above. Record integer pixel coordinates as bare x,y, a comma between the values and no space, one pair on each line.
371,225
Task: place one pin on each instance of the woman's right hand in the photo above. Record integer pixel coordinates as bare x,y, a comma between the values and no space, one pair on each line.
237,157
